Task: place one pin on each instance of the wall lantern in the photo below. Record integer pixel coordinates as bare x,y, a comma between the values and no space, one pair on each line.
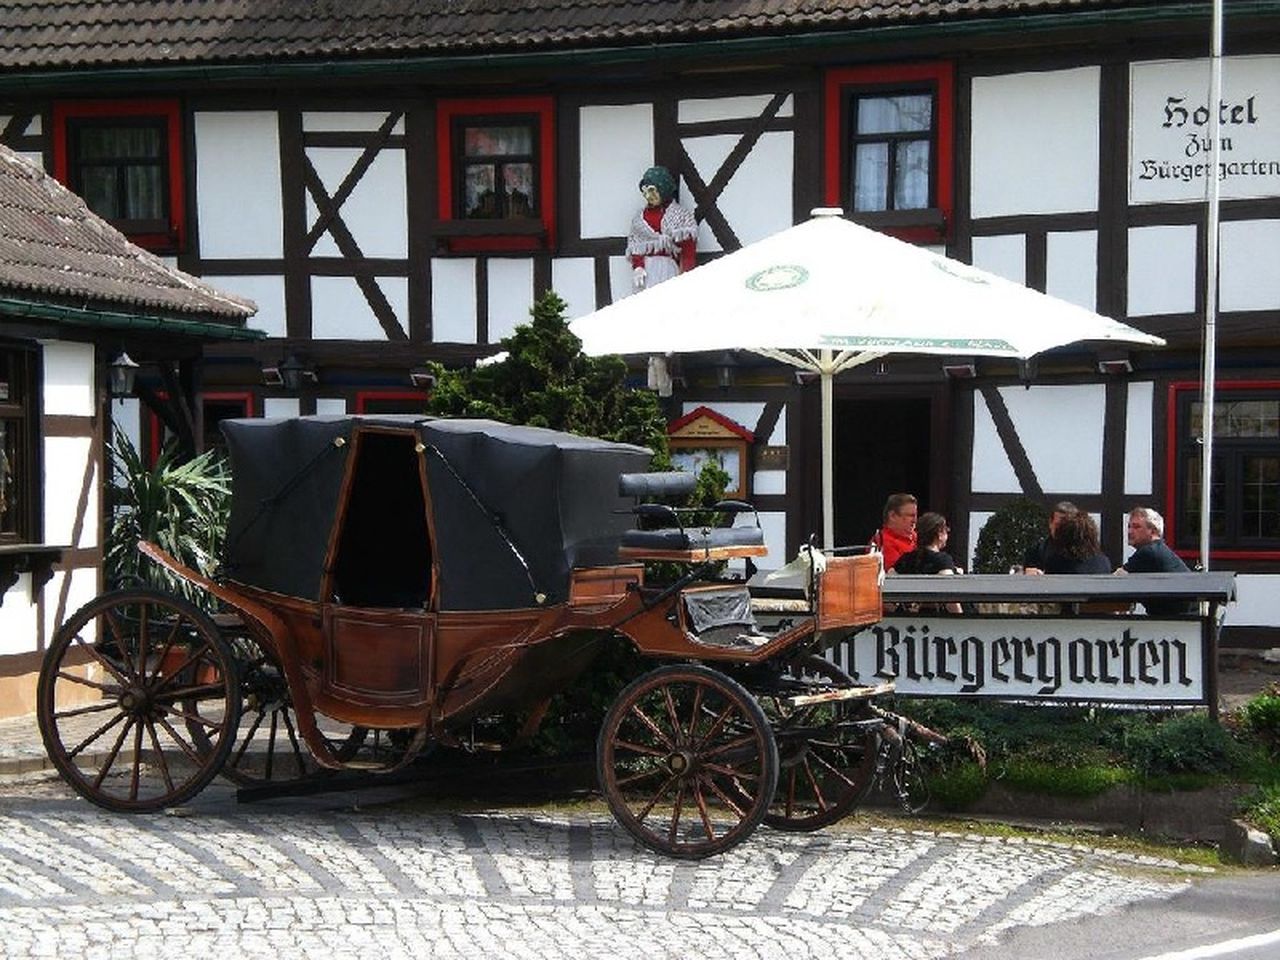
726,370
123,373
294,372
960,371
1115,367
422,378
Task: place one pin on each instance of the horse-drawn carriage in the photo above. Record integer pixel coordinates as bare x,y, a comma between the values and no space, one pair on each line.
390,582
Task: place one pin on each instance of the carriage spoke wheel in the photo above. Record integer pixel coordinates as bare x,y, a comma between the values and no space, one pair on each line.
125,681
826,762
686,761
269,747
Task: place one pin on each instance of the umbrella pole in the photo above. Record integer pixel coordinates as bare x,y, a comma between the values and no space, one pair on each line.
828,453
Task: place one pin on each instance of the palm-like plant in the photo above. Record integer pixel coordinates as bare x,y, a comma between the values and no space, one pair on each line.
181,507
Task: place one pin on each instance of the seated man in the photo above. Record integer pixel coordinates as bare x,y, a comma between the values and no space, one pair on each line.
898,535
1036,558
1152,555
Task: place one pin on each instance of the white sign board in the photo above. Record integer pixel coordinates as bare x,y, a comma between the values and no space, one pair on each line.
1105,659
1169,137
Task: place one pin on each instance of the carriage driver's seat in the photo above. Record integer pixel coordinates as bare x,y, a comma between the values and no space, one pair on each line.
666,532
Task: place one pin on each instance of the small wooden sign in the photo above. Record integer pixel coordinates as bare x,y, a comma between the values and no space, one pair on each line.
773,458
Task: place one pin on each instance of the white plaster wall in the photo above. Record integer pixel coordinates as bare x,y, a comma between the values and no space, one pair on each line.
774,525
339,310
1257,602
1248,279
991,471
289,407
745,414
619,278
510,296
730,108
616,144
757,201
126,414
1004,256
1071,267
18,618
331,406
267,292
82,588
65,459
453,300
238,184
574,278
977,520
1035,143
1139,439
68,378
342,121
375,213
1162,270
1061,430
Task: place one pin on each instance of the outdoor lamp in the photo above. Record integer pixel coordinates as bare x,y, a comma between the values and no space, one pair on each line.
726,370
293,372
422,378
123,372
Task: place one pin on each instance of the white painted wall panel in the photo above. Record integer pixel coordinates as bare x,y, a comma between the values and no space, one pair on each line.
238,184
82,588
757,202
1139,439
1035,143
1162,270
266,292
1004,256
1071,267
1061,431
340,121
510,296
774,525
1257,601
18,619
375,213
65,459
339,310
977,520
768,482
68,378
574,278
1245,283
126,415
707,154
290,407
619,278
730,108
331,406
991,471
616,149
743,413
453,300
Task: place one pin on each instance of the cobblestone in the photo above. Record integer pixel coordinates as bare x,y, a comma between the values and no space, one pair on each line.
296,881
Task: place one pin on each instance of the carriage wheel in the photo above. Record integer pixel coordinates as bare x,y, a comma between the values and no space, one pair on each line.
122,685
269,747
686,761
826,765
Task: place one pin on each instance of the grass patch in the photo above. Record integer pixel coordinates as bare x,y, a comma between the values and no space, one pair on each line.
1036,776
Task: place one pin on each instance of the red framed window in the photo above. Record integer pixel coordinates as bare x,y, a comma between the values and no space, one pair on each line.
20,485
392,401
889,147
124,157
496,163
215,406
1244,502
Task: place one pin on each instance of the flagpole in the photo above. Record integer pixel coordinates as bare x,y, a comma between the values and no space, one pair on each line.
1208,374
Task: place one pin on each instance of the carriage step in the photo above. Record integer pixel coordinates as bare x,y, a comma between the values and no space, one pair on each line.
843,693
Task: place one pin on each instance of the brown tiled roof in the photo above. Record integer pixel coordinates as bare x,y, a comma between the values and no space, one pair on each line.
51,34
53,249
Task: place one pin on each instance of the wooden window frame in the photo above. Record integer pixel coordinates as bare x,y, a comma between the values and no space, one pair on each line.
931,225
466,236
68,114
155,426
26,413
1181,395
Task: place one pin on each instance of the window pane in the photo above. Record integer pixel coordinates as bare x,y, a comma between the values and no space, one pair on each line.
1260,505
904,114
911,180
1190,523
479,200
98,188
119,143
498,141
518,178
870,176
144,196
9,506
1239,419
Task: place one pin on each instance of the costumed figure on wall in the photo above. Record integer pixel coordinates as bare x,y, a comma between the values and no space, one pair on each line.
662,244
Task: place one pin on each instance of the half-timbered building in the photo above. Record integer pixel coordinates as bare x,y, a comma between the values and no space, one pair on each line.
395,182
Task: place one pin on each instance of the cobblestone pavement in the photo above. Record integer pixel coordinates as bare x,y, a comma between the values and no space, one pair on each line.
295,879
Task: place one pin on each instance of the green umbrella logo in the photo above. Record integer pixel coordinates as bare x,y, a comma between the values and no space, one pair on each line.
781,277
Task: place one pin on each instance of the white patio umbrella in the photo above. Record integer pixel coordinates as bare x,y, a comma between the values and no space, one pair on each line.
828,295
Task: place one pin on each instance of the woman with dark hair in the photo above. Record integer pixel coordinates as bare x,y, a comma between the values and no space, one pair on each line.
1074,547
928,556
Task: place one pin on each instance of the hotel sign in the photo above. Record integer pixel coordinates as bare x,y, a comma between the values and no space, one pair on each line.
1170,139
1103,660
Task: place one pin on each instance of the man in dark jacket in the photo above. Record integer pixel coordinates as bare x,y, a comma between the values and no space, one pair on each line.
1037,556
1152,555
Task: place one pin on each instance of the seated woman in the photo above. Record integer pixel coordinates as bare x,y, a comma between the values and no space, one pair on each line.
929,556
1075,547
